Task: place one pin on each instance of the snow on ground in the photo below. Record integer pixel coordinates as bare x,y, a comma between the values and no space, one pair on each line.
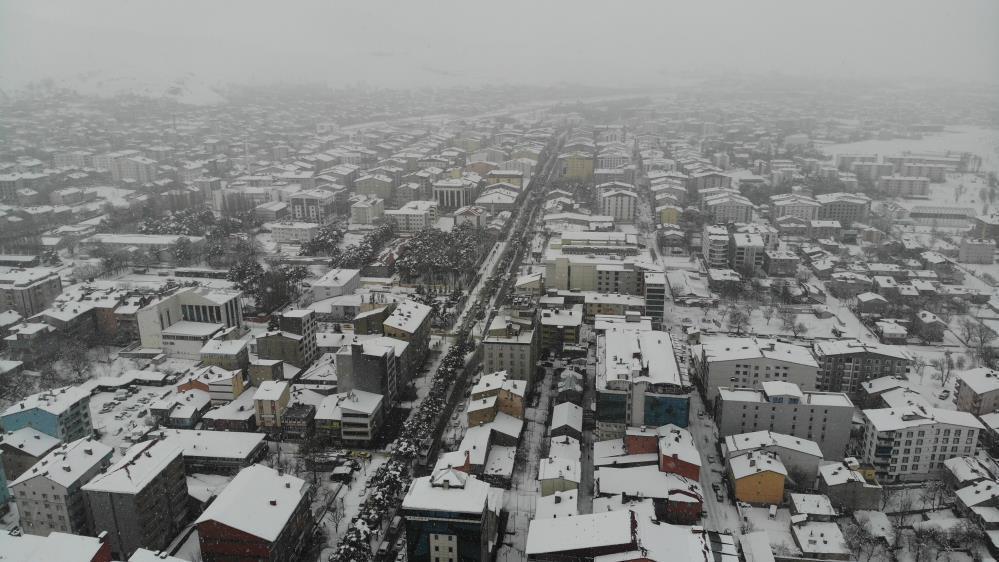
778,530
977,140
350,498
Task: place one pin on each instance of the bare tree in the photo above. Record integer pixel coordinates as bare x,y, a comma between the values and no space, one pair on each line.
799,328
768,313
944,367
738,320
919,366
936,494
861,540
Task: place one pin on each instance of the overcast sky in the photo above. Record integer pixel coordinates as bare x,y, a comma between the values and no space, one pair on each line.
425,42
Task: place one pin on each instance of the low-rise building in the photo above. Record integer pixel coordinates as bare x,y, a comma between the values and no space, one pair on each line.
978,391
757,477
845,364
847,488
63,413
976,250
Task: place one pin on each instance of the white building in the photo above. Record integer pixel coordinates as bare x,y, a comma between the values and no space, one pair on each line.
414,215
823,417
176,317
714,246
746,251
335,283
748,362
48,494
366,210
911,443
294,232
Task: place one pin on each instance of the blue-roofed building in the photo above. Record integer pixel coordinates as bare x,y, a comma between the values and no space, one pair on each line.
63,413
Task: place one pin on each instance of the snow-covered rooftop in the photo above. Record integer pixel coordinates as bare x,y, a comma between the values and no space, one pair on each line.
136,469
756,461
583,532
219,444
448,490
68,462
408,316
55,401
29,441
762,439
559,504
259,501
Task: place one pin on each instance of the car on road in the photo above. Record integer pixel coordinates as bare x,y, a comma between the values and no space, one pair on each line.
716,487
712,458
719,496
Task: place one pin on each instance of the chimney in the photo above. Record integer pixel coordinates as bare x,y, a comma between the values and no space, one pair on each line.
273,502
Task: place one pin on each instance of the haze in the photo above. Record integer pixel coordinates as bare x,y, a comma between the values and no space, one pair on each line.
415,44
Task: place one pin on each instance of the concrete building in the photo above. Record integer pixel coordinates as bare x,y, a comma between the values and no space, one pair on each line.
823,417
905,186
847,208
270,400
746,252
335,283
757,477
847,488
28,291
638,382
978,391
410,322
48,494
291,232
63,413
749,362
141,500
451,516
414,215
655,298
800,457
22,448
714,246
976,250
295,340
620,204
511,347
195,314
159,246
845,364
911,443
367,210
378,366
313,205
262,513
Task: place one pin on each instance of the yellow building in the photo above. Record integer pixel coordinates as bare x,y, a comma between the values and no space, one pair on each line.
577,165
669,214
481,410
270,401
758,477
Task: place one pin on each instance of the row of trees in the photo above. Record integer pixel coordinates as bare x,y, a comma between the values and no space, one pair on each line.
358,255
326,242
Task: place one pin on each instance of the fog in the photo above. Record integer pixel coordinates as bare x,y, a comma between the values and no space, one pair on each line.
410,44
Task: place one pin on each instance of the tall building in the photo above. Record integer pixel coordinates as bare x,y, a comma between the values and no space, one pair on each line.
28,291
377,366
313,205
262,514
63,413
823,417
911,443
511,345
451,516
638,382
714,246
847,208
414,215
410,322
181,322
845,364
294,341
48,494
141,500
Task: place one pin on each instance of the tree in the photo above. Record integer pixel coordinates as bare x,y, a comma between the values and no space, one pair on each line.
935,494
861,540
799,328
787,319
73,353
944,367
919,366
738,320
768,313
184,252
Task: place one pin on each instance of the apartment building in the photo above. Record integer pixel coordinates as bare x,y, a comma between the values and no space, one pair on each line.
794,205
512,347
976,250
746,252
366,210
911,443
63,413
410,322
978,391
263,511
270,400
847,208
141,500
749,362
313,205
291,232
823,417
378,366
638,382
414,215
335,283
714,246
655,298
620,204
48,494
845,364
905,186
28,291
